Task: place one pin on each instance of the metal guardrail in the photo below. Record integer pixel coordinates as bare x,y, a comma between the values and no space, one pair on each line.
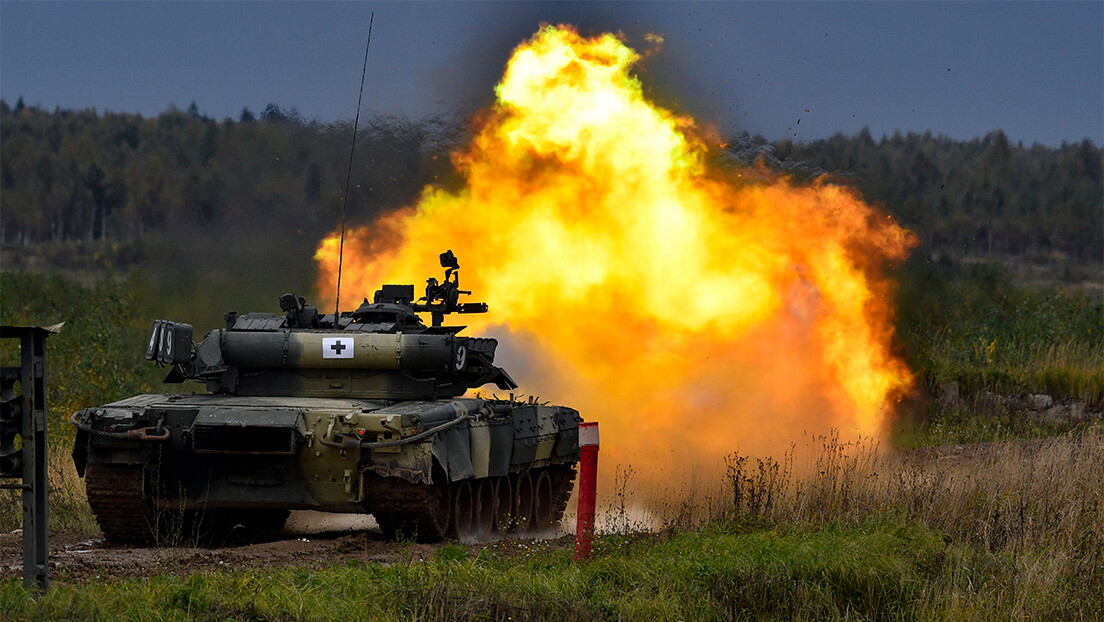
23,414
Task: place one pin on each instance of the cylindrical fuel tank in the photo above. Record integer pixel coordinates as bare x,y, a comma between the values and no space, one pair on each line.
337,350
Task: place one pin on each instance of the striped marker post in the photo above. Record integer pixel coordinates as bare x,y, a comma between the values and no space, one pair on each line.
588,477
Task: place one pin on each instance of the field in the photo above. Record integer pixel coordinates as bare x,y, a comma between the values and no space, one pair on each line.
986,502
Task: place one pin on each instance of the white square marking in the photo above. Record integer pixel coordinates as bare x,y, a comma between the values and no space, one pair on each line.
337,347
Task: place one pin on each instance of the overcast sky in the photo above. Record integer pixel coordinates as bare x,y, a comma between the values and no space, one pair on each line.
1035,70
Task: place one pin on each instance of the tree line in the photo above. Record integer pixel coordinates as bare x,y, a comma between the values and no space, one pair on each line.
984,196
78,175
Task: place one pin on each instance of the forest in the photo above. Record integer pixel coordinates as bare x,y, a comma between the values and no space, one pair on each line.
78,175
984,196
70,176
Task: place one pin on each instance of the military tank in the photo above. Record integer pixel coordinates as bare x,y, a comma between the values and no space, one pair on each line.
360,412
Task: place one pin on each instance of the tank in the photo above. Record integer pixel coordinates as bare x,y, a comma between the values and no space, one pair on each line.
370,411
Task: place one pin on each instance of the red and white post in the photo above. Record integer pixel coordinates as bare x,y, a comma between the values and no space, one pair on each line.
588,478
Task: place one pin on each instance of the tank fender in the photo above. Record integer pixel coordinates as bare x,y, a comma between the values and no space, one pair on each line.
566,447
452,449
462,453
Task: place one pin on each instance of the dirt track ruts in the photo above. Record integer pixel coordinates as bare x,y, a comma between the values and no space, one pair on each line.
79,558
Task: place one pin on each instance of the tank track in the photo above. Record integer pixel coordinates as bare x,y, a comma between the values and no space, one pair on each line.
125,514
563,480
403,509
117,496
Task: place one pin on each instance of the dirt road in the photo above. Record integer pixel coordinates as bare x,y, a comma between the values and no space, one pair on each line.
311,539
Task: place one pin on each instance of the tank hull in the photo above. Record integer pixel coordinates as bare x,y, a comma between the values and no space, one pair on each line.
179,465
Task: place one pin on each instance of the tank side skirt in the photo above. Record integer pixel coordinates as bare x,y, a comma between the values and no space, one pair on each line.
453,449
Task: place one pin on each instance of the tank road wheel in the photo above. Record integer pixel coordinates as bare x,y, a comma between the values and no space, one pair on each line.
542,503
462,510
483,514
523,502
434,524
117,496
427,523
503,504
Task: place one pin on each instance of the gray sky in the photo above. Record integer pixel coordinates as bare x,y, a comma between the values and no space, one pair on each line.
1035,70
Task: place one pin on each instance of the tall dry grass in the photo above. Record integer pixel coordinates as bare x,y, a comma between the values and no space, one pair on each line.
69,511
1047,492
1031,511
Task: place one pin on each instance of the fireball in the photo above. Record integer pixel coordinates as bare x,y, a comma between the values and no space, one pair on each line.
691,309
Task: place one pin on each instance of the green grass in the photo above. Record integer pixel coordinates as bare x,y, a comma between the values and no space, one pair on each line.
974,326
996,342
843,531
1068,368
880,569
963,424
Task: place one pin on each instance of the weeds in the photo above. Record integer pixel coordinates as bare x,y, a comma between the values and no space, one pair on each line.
1030,511
619,518
981,330
95,359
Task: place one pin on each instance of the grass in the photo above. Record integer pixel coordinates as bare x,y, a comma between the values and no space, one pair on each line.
1069,368
997,496
69,509
973,326
870,571
1003,531
979,421
1023,518
98,356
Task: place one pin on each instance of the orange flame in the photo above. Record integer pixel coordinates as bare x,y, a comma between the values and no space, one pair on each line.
692,309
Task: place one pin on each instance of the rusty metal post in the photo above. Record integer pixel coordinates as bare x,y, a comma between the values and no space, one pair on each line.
30,406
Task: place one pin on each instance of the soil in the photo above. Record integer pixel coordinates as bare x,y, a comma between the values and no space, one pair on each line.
310,540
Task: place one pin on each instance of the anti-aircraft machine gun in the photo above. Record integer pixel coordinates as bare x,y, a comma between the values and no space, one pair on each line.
360,412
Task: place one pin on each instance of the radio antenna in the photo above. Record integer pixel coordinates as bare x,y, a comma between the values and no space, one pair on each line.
349,175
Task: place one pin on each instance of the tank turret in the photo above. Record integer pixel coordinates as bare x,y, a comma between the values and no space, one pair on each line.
382,350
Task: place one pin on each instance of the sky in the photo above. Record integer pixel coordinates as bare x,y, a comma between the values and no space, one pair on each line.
1033,70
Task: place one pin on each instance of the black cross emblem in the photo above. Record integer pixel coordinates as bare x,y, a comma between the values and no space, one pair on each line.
338,346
